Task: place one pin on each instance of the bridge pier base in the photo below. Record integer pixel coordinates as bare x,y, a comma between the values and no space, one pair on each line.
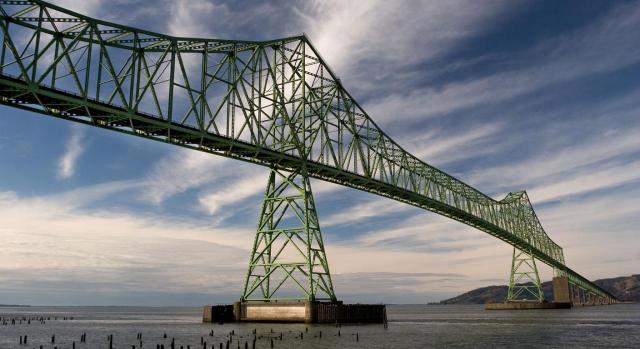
288,278
561,290
295,311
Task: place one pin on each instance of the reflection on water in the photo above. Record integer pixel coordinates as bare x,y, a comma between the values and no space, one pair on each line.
410,326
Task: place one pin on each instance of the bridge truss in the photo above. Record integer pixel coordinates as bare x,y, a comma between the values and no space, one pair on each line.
274,103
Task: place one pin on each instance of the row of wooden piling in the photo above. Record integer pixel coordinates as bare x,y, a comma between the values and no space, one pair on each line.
272,338
26,320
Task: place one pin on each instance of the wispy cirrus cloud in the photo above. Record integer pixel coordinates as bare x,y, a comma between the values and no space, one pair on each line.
180,171
64,246
183,22
581,158
590,227
73,150
443,147
215,182
373,208
584,181
427,233
47,239
240,188
605,45
373,48
85,7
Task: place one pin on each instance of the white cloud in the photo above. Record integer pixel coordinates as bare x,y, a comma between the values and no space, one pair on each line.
566,161
376,207
85,7
597,217
476,264
242,187
183,170
446,147
429,233
351,32
46,238
319,187
606,45
585,181
182,21
174,254
73,149
598,233
218,181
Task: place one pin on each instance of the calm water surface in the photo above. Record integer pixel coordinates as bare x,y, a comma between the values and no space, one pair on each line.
410,326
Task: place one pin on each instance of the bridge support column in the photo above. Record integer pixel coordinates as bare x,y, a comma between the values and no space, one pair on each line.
288,261
561,290
572,293
575,298
579,295
524,283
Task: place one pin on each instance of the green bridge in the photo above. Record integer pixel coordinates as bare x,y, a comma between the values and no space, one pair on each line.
274,103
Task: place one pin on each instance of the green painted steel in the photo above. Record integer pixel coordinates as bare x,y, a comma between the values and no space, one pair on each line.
275,103
524,282
288,252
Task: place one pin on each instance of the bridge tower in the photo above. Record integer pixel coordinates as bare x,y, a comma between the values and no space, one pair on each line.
524,283
288,256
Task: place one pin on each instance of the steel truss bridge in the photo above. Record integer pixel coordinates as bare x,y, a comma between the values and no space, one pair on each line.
273,103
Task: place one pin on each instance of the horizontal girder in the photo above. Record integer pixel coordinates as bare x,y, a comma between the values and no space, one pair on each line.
274,103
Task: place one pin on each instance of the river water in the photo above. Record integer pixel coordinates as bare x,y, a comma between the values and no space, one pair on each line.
410,326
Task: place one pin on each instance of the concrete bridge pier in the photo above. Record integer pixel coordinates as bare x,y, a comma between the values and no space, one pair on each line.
295,311
565,292
561,290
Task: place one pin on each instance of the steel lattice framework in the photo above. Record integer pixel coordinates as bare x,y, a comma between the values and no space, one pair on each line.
288,248
524,283
274,103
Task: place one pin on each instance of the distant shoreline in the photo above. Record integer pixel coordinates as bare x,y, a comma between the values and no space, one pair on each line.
625,288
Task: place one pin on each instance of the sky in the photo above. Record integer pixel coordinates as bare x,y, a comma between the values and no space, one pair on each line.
505,95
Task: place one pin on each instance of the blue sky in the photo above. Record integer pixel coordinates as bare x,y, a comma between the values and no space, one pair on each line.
506,95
